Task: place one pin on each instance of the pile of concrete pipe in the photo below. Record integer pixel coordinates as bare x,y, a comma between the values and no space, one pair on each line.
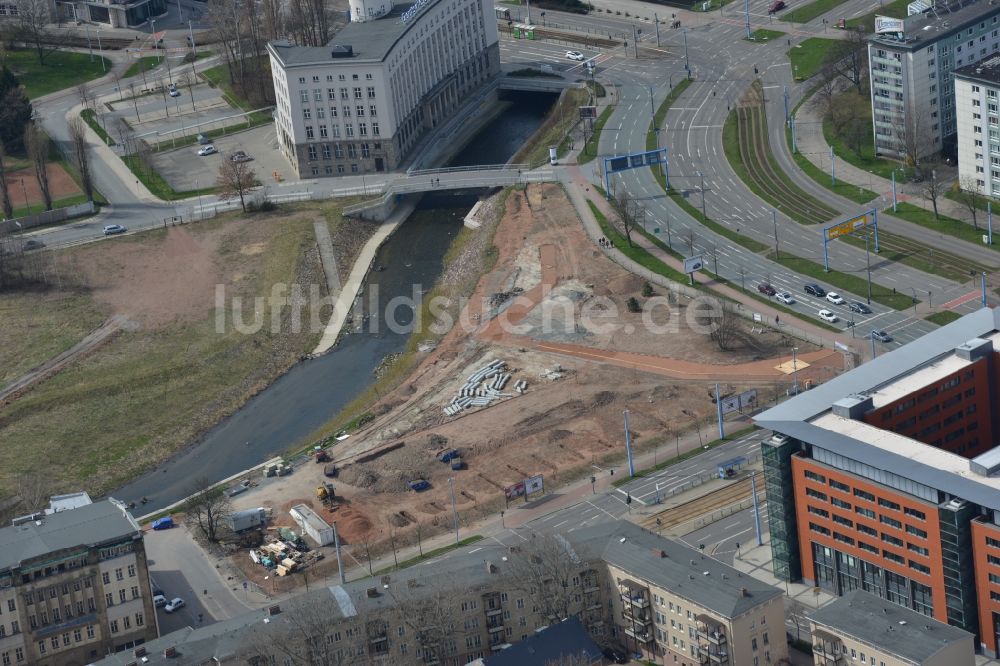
483,387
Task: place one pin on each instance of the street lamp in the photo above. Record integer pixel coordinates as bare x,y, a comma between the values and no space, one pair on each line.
100,51
795,370
702,176
868,264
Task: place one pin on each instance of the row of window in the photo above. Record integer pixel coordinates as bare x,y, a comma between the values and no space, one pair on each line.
886,554
54,641
68,612
340,77
359,111
348,131
331,94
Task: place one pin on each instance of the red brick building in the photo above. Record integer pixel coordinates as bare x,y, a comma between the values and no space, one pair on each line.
887,479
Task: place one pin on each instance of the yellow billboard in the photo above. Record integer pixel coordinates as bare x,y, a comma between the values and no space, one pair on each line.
848,226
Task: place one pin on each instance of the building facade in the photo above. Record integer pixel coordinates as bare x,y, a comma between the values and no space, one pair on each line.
628,587
361,103
977,105
885,479
910,72
861,628
74,586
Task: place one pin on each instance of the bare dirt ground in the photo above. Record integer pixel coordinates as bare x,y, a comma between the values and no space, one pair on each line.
22,183
569,418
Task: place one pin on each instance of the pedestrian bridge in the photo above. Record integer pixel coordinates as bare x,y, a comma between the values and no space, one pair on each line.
453,178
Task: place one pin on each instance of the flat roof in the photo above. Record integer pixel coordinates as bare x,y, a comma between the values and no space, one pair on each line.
88,525
985,71
805,417
932,373
371,41
887,626
943,20
309,516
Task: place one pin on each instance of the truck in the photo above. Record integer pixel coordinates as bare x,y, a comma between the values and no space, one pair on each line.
240,521
419,484
456,463
448,455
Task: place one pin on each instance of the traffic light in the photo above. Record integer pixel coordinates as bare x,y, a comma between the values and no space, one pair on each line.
628,498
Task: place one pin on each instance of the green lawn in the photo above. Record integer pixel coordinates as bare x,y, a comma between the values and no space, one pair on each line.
807,13
853,283
915,258
143,64
856,194
866,159
763,35
944,225
156,184
808,57
90,118
894,9
617,483
590,148
61,70
636,254
943,317
661,113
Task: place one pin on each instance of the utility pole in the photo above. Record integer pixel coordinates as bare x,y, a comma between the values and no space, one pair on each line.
756,507
635,42
774,221
746,11
701,175
893,190
454,511
191,37
833,173
989,223
628,445
656,22
868,265
718,409
791,123
795,371
340,563
872,336
786,103
687,62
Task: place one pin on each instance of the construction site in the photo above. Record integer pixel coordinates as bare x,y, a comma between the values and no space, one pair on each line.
535,393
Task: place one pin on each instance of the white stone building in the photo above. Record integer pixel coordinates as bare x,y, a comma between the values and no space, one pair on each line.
977,89
362,102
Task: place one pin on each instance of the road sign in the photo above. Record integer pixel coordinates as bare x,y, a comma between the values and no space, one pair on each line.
692,264
534,484
848,226
738,402
516,490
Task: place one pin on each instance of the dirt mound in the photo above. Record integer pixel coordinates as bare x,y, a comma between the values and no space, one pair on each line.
358,476
624,285
557,435
286,506
352,525
602,399
398,520
435,441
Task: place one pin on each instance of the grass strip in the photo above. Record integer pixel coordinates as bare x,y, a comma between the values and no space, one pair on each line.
90,118
670,462
942,224
846,282
636,254
661,113
155,183
430,554
590,148
807,13
943,317
61,70
763,35
894,9
847,190
808,57
751,244
141,65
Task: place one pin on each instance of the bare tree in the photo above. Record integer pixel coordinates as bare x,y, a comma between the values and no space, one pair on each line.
627,211
33,19
300,636
81,155
86,98
827,89
690,237
796,611
431,615
310,21
849,59
36,144
238,27
208,506
545,567
188,81
933,189
8,205
967,189
724,324
913,135
235,179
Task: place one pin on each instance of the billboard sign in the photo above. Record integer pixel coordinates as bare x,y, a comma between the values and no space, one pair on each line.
534,484
884,24
692,264
848,226
740,401
514,491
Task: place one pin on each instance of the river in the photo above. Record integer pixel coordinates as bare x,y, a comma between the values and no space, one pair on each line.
314,391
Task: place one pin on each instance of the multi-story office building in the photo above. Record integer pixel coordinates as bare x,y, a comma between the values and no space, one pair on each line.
626,585
111,13
885,478
363,101
910,70
977,105
74,586
860,628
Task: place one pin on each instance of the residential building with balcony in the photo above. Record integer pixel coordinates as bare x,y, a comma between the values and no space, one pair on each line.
885,479
362,102
910,73
624,585
860,628
74,586
977,105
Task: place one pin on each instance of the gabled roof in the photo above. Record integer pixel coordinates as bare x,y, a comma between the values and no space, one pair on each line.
550,645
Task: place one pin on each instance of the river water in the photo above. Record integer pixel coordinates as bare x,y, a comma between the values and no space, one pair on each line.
314,391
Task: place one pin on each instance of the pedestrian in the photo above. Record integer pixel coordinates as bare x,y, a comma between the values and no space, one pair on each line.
776,320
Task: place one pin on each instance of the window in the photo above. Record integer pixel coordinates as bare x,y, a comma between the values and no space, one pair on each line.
347,111
819,528
846,522
121,595
357,93
114,626
867,513
864,495
333,112
331,93
817,494
375,131
916,566
888,538
90,631
371,110
840,503
307,113
77,635
890,521
109,598
304,96
840,486
864,529
343,93
309,132
348,129
359,110
131,571
317,94
817,511
815,476
371,92
106,577
362,129
322,132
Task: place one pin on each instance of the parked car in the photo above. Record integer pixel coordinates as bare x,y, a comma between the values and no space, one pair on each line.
112,229
33,245
207,150
164,523
814,289
785,297
574,55
859,307
240,156
835,298
174,92
776,6
881,336
175,604
419,484
766,289
159,601
828,316
448,455
204,140
615,656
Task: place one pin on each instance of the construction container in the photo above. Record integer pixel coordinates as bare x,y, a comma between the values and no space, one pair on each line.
240,521
310,523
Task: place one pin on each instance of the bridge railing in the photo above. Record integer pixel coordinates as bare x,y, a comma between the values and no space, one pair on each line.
460,169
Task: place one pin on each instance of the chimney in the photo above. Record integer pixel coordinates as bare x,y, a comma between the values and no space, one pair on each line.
170,652
273,610
140,652
744,592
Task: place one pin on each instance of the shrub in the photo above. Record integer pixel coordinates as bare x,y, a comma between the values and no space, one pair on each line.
633,305
647,290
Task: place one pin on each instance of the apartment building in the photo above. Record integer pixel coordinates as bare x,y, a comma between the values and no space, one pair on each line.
74,586
885,479
860,628
363,101
910,72
977,105
628,587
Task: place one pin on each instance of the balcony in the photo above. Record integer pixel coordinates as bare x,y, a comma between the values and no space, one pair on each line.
827,649
639,635
640,617
494,628
493,612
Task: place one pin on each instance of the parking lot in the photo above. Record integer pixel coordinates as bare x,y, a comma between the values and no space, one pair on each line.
185,170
